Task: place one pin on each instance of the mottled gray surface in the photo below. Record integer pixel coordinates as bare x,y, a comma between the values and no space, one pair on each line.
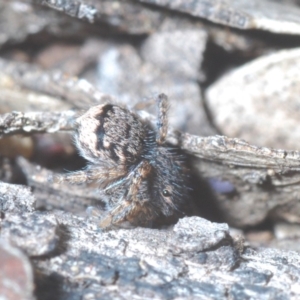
36,234
259,102
16,198
195,259
19,122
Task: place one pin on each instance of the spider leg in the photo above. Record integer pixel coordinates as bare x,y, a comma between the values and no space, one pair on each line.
77,177
90,174
117,215
132,207
162,119
126,215
115,184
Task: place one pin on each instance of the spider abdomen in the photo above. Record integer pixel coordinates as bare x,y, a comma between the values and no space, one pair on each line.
109,132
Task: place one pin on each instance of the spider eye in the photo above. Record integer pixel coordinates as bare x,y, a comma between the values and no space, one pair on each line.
166,193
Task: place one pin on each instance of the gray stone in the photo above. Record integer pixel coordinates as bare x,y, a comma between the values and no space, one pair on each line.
259,101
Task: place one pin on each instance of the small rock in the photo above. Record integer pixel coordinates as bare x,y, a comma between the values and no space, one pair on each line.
197,234
259,101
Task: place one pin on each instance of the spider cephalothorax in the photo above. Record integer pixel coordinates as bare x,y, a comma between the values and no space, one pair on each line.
138,175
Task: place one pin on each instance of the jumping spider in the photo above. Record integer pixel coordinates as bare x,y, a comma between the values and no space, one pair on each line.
139,177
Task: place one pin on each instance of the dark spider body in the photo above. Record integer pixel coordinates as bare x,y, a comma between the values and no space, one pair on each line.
140,178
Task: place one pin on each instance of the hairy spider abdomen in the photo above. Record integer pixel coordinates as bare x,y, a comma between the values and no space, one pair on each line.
108,132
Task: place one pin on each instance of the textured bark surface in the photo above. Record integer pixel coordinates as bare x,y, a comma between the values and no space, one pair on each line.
195,259
267,15
18,122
